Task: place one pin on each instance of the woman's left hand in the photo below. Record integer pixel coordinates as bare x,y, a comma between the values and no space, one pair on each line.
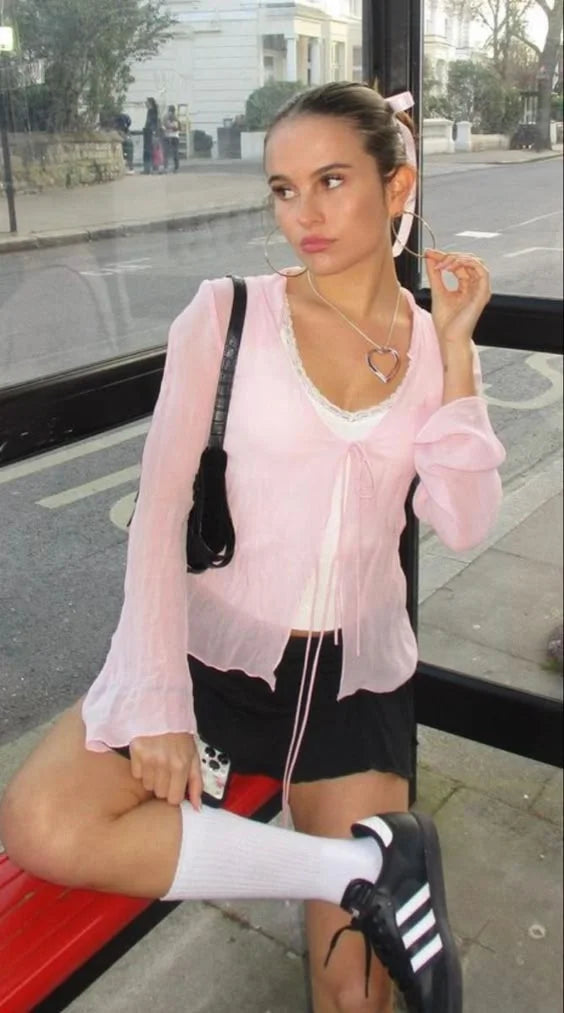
457,311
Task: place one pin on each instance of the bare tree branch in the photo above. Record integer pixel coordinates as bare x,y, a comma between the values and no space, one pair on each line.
528,42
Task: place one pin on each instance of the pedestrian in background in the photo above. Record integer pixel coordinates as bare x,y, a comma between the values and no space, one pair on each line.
151,137
171,127
122,124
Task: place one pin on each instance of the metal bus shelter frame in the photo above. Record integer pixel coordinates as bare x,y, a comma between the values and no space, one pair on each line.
53,411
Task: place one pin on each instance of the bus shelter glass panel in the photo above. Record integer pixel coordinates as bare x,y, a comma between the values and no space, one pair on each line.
63,540
496,611
492,139
124,204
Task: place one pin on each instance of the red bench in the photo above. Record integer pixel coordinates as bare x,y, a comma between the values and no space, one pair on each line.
49,932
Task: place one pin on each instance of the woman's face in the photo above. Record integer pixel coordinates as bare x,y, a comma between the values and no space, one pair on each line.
329,199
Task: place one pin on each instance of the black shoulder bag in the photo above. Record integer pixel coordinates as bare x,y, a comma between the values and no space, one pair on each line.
210,539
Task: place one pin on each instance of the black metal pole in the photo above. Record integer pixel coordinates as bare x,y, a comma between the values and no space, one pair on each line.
6,157
392,56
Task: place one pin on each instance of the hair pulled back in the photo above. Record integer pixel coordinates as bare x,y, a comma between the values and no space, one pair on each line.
364,109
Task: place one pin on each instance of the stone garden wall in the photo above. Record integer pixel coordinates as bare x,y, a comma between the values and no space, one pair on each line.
40,161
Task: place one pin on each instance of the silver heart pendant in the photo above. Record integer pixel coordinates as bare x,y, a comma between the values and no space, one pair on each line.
384,377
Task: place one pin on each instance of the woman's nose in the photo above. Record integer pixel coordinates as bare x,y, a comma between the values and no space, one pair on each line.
309,211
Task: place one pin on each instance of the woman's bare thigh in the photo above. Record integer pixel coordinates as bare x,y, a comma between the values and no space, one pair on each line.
81,819
62,784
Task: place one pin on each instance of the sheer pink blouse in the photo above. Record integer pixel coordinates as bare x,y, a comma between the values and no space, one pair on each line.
284,463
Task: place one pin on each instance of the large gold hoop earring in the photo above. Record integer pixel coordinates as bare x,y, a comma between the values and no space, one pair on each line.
395,234
289,273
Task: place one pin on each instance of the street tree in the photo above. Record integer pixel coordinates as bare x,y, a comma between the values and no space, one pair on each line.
507,24
549,59
504,21
87,49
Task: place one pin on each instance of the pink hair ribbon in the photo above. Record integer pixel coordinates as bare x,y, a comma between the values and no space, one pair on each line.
401,103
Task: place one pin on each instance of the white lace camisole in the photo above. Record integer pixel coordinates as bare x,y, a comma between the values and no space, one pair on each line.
352,426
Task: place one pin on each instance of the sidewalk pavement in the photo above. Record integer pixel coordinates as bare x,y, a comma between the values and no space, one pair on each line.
141,203
499,815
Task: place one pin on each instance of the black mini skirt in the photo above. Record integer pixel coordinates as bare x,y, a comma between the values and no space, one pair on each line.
242,716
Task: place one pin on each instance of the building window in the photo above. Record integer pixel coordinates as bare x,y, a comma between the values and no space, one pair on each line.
357,63
274,42
337,61
268,65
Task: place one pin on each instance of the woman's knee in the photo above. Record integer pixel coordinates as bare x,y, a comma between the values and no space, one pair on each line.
36,837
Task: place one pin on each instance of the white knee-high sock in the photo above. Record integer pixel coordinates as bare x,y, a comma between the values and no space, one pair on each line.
223,856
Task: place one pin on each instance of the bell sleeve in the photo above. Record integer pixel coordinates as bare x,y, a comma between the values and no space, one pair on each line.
144,687
457,456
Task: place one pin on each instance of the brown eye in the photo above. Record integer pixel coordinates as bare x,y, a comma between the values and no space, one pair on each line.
281,192
332,182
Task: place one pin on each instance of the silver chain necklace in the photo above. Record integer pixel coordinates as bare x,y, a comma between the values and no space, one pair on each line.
376,349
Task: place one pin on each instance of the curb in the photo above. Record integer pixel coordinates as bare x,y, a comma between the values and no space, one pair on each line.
500,160
172,223
525,161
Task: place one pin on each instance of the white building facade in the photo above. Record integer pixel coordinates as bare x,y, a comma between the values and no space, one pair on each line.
220,54
447,38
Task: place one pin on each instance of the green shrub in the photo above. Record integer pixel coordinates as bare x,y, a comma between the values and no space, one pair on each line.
556,107
263,103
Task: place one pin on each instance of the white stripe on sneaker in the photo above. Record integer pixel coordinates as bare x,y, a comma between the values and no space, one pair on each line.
426,923
426,954
413,905
380,827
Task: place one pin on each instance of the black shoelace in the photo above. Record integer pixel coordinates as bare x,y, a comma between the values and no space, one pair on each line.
355,926
385,949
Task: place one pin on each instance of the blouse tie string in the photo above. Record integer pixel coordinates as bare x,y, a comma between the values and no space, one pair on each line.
365,489
355,455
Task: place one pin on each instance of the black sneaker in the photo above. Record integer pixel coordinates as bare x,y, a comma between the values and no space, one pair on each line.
403,916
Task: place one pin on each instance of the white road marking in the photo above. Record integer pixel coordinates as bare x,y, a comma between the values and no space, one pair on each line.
122,511
11,472
540,363
120,267
479,235
533,249
78,492
531,221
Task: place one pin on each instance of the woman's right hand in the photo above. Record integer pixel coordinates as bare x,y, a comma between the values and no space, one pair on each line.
166,764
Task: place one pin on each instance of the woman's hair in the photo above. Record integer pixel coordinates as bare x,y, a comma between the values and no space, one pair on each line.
153,104
364,109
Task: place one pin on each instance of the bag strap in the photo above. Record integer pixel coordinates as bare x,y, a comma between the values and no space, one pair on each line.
228,363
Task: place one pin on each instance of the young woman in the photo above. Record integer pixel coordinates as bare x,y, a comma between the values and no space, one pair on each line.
151,135
344,391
